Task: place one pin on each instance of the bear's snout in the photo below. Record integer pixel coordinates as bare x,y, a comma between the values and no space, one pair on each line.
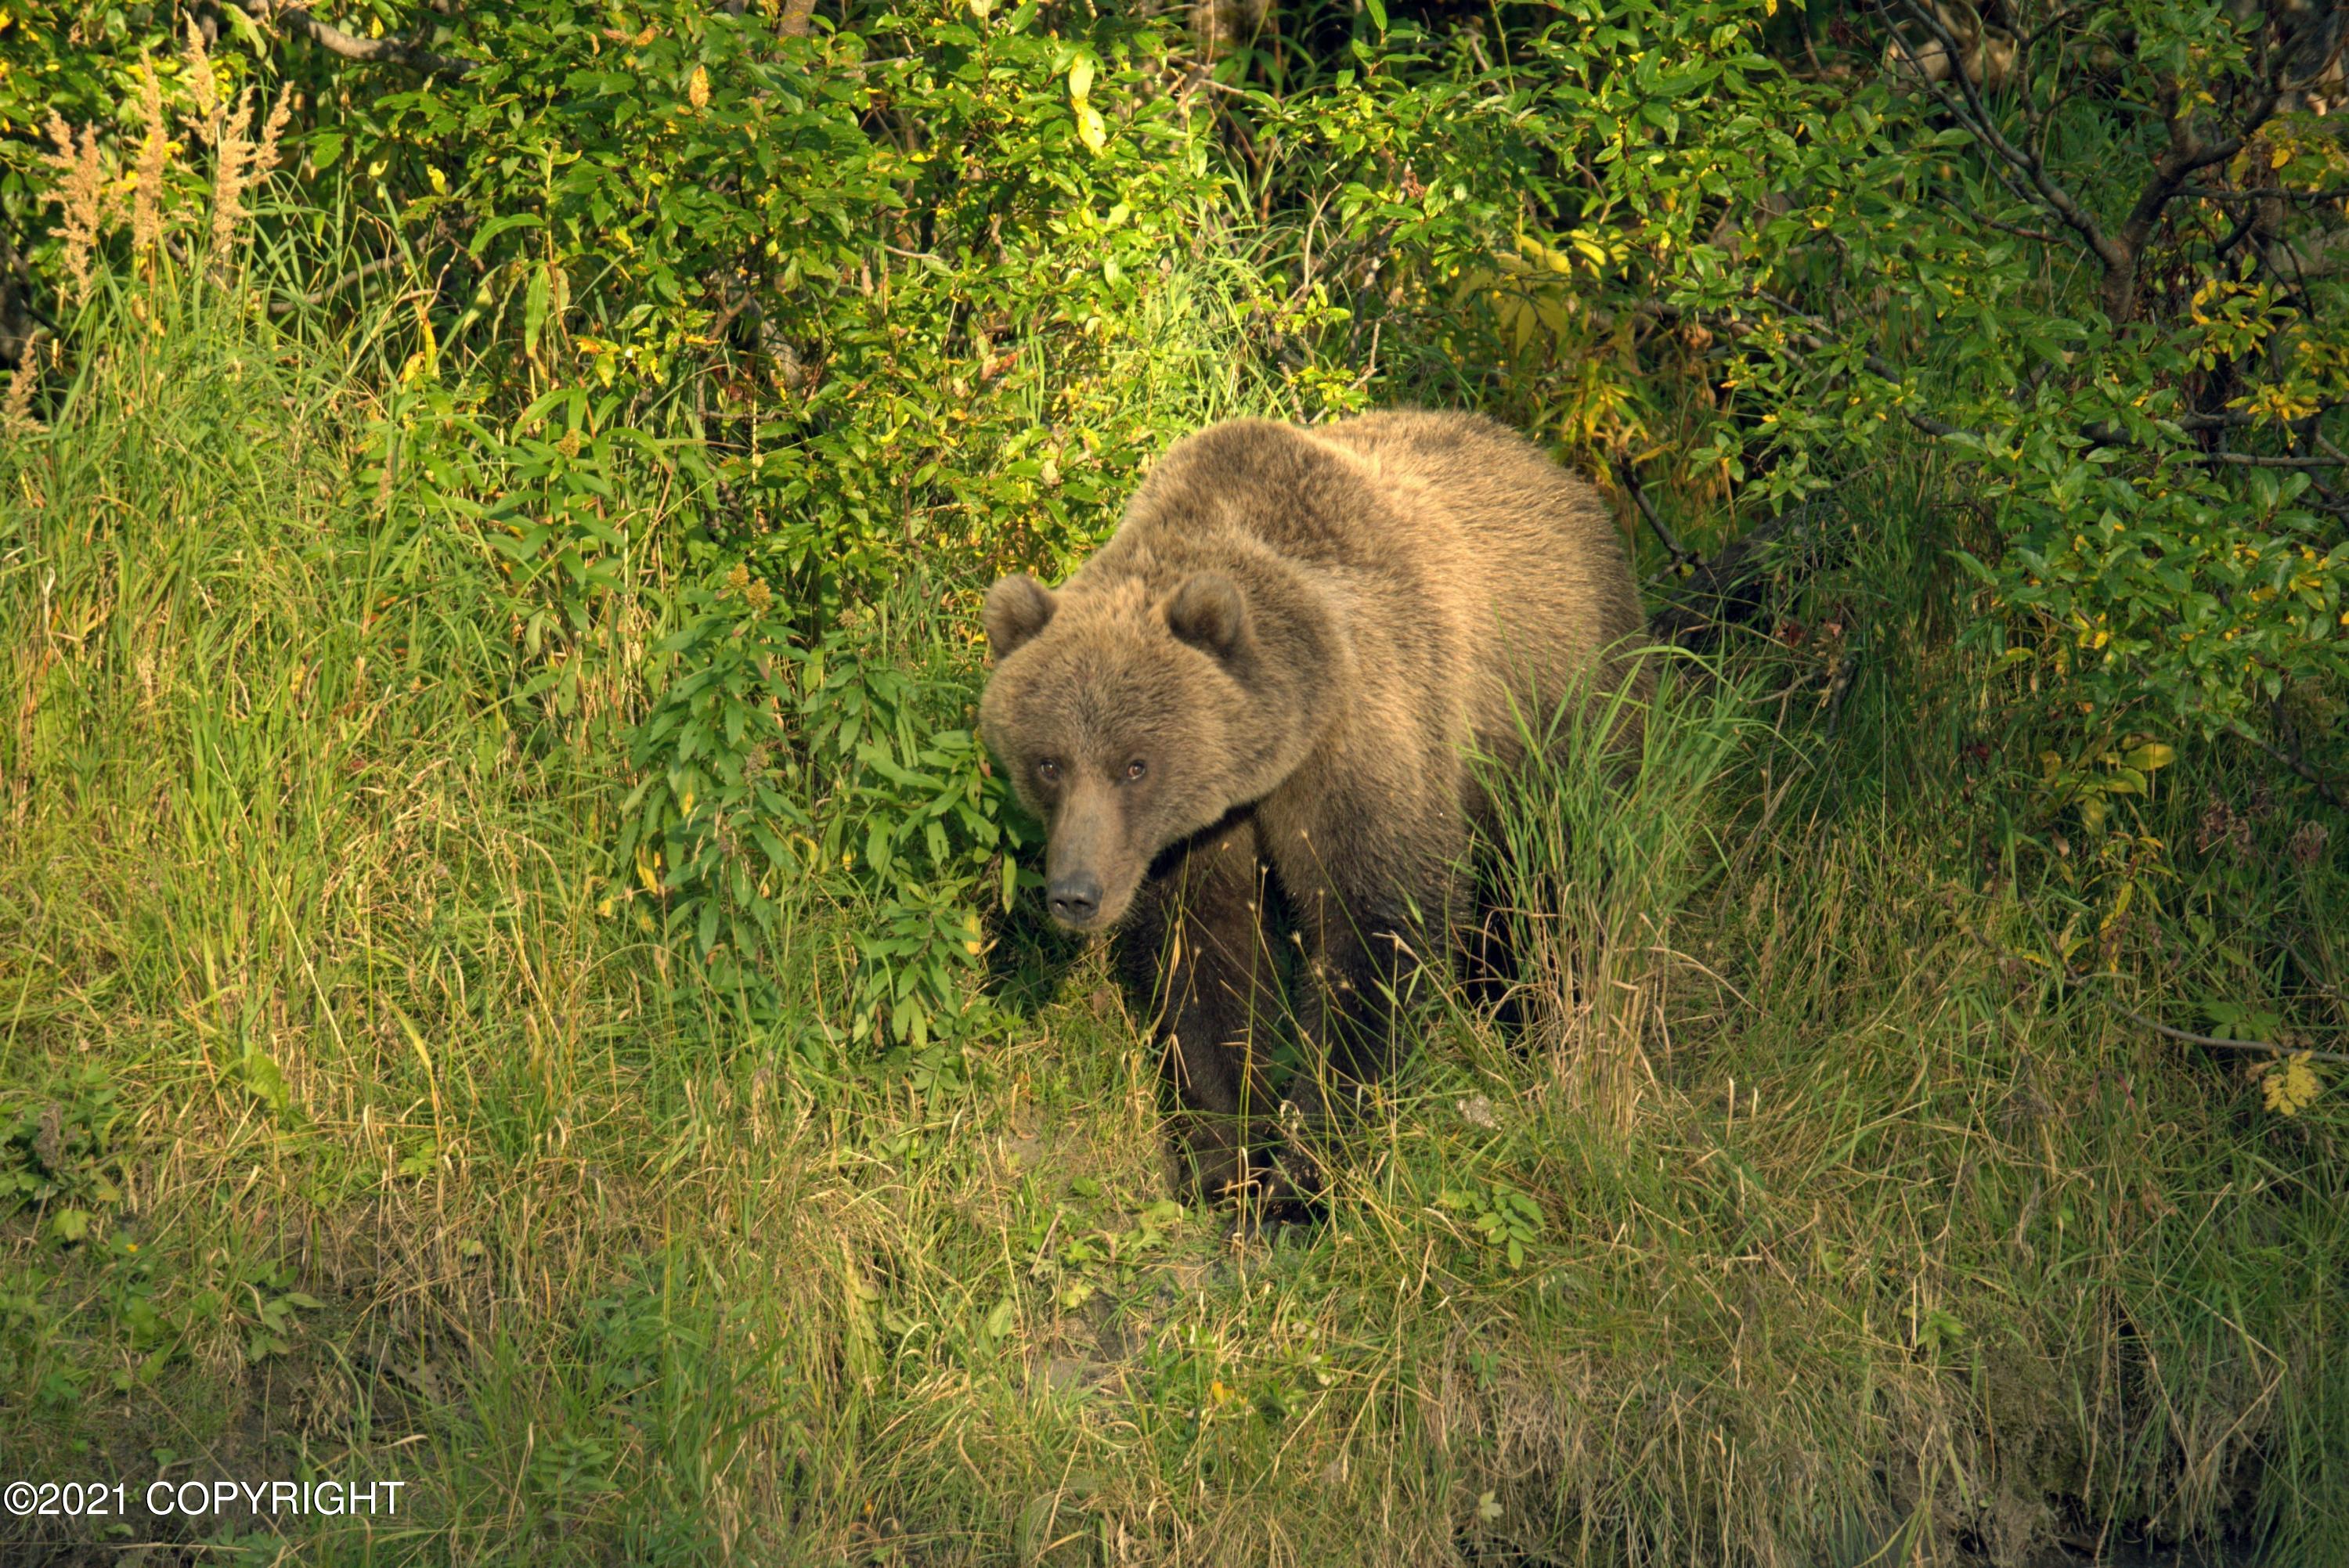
1076,899
1090,870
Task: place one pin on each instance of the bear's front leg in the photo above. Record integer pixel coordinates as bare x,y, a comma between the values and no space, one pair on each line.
1194,952
1366,957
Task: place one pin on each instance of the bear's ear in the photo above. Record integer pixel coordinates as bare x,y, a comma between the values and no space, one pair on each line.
1208,613
1016,609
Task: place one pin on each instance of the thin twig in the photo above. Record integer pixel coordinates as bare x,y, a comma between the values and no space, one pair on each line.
2070,976
2191,1038
2017,229
2260,461
2054,20
2214,193
357,274
2332,793
1626,476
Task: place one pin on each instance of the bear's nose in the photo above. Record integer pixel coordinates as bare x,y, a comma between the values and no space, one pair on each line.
1075,898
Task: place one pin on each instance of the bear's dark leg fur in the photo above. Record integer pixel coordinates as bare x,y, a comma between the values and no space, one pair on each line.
1195,950
1367,957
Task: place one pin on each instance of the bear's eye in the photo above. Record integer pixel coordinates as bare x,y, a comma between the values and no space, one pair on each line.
1048,769
1134,770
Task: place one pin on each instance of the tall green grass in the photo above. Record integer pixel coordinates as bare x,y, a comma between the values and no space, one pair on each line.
1806,1219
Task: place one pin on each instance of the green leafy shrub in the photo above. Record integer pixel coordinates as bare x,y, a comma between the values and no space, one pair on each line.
773,773
881,338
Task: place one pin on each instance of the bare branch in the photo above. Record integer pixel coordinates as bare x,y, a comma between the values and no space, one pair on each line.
2335,795
2071,977
350,46
2323,256
1979,124
2261,460
2184,156
1628,478
2134,1016
2218,194
2122,251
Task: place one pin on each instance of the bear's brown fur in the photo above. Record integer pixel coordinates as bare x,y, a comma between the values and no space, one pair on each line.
1284,660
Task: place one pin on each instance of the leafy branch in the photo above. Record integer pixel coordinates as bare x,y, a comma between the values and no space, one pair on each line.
2024,170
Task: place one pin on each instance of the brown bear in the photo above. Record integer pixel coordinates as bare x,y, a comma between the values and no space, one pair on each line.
1280,670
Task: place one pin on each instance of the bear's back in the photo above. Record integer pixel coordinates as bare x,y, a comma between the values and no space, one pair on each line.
1532,564
1468,566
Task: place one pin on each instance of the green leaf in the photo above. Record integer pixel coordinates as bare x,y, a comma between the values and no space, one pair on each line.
494,227
264,1078
535,303
247,32
706,930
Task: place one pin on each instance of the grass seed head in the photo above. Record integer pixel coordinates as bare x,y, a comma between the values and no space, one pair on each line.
154,151
233,174
204,82
80,196
16,409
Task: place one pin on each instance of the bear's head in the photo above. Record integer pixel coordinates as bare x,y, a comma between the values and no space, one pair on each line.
1128,719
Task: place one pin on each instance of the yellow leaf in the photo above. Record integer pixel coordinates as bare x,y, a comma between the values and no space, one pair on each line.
2278,156
697,92
1081,78
2147,757
2290,1086
1091,130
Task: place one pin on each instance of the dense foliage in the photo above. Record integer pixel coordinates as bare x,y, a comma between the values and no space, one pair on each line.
850,310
